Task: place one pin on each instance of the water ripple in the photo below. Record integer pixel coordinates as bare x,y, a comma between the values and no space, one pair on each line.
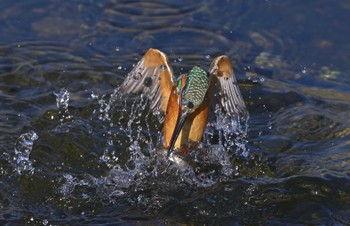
146,15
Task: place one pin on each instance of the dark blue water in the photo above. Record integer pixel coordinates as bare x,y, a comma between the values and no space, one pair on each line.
72,151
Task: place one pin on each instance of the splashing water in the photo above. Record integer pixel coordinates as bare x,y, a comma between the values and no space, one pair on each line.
62,99
232,136
105,115
65,117
133,138
23,148
232,132
133,124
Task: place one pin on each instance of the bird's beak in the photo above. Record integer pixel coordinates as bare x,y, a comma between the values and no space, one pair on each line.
179,124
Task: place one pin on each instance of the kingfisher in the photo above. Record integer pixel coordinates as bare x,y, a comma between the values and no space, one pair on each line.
184,105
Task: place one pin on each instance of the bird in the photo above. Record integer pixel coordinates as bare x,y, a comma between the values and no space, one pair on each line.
183,105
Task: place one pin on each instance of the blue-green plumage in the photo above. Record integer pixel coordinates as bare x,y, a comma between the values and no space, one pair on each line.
196,87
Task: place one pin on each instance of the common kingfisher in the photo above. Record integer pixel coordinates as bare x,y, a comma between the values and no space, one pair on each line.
184,105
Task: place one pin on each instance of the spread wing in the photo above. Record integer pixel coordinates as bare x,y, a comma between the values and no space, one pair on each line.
152,76
226,88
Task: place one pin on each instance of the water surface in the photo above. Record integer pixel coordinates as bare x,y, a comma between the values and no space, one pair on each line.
73,152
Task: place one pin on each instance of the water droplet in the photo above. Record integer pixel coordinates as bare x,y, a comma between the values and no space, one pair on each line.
104,158
207,57
314,192
45,222
180,59
117,48
119,67
94,96
262,79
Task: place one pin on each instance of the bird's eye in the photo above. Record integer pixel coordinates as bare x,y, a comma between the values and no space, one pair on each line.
190,105
226,78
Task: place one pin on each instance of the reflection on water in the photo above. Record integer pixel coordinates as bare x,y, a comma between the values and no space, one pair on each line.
74,152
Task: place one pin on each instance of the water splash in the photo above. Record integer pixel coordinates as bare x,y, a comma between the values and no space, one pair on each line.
62,99
132,124
105,114
211,166
23,148
232,131
131,154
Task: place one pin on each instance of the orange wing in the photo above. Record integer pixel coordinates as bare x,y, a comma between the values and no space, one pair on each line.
152,76
227,90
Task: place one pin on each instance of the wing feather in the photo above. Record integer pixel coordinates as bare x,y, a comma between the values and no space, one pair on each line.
227,90
153,77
